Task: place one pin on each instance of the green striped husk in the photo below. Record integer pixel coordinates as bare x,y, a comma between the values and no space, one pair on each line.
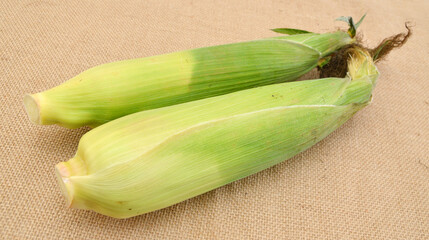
153,159
112,90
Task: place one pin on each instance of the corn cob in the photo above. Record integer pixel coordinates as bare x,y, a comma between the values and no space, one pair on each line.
112,90
153,159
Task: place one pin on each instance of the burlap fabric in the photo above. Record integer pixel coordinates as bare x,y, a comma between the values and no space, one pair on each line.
367,180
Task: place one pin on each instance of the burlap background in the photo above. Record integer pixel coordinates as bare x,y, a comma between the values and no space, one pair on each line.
368,180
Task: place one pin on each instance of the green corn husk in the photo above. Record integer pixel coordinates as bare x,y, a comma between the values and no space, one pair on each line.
113,90
153,159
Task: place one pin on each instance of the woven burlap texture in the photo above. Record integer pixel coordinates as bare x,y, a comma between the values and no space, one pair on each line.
367,180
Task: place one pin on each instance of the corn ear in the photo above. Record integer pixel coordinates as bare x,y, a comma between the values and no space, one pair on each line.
153,159
112,90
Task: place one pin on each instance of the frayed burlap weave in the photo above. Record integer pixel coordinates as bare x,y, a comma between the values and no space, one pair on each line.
367,180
